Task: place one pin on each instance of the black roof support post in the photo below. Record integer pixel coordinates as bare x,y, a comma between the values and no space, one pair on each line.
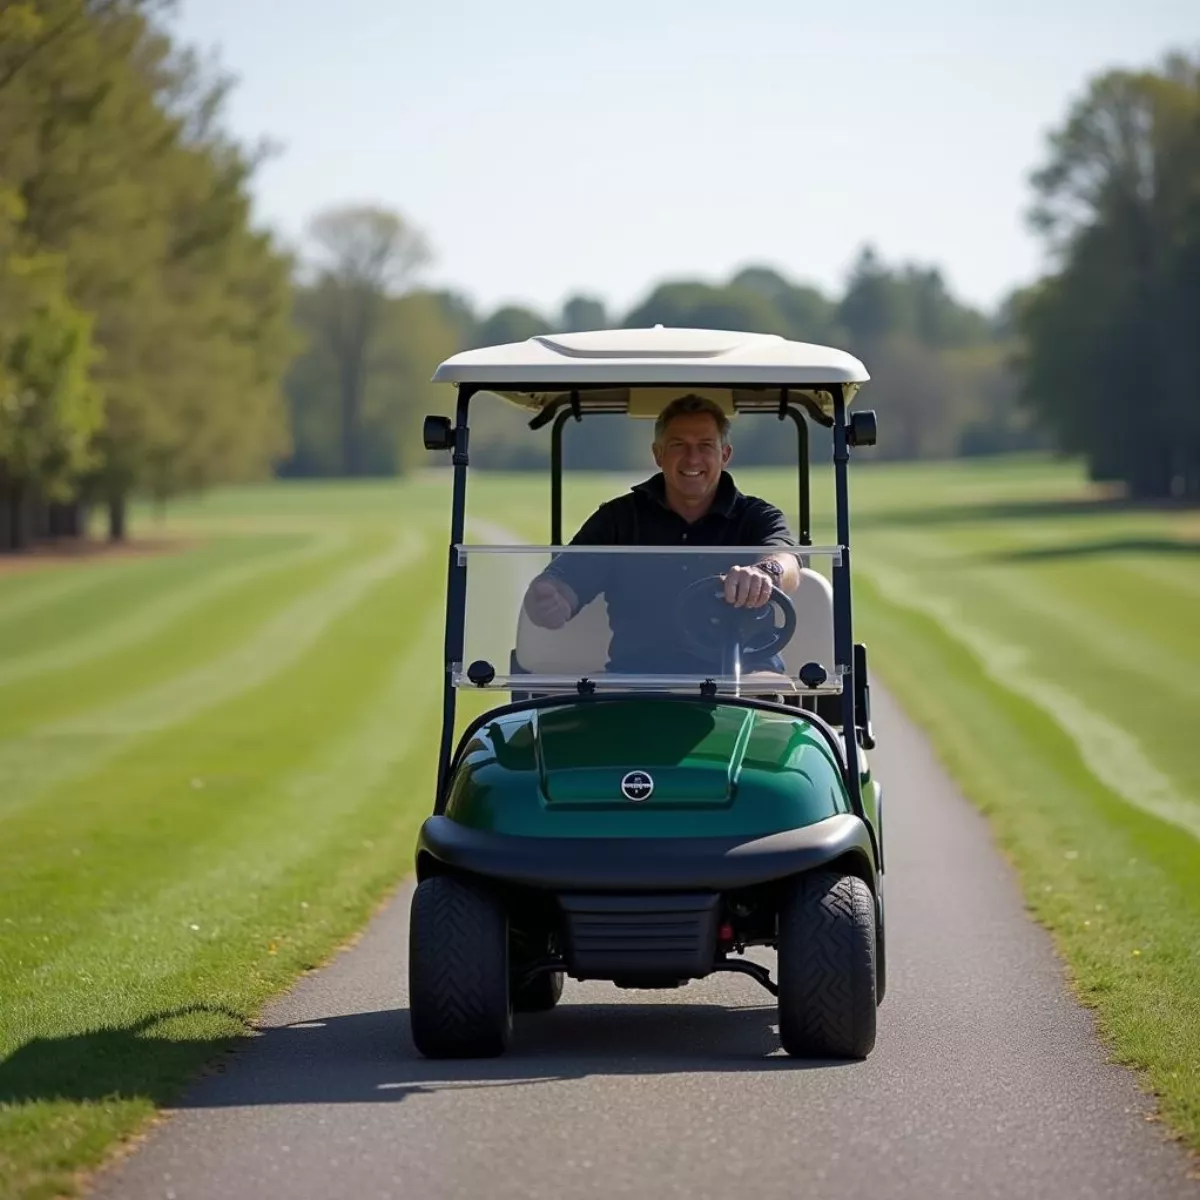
556,467
843,626
456,587
802,466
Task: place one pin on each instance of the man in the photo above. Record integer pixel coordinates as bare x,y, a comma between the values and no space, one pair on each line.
692,500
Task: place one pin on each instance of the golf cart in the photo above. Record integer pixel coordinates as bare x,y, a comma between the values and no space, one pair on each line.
664,779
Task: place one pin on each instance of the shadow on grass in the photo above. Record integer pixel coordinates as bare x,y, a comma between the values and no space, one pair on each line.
126,1063
1015,510
370,1057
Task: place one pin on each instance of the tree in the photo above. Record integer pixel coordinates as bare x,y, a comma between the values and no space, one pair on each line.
1111,360
582,313
510,323
809,316
415,336
110,141
49,404
414,333
699,305
366,255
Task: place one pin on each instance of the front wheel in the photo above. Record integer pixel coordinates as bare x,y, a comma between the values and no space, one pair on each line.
827,985
459,1001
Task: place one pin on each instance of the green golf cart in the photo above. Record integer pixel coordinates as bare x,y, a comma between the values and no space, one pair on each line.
664,780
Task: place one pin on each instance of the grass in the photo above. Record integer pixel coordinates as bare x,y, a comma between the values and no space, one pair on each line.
212,763
1048,644
191,818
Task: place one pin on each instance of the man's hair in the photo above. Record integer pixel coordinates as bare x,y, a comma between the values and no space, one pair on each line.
691,403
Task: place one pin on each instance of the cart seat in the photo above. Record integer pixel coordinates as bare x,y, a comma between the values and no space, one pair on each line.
581,646
813,639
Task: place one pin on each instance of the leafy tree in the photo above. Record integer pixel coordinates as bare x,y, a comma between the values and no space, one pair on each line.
110,140
687,303
366,255
1111,358
510,323
49,404
581,313
809,315
415,336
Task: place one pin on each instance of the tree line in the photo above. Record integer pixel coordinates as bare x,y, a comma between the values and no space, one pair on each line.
1099,359
154,341
1109,356
942,369
145,325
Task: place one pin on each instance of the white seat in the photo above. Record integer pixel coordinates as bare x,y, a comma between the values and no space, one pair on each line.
581,646
813,639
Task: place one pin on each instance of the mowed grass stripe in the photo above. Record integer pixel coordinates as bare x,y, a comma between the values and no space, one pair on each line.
193,637
147,613
105,590
1115,885
1085,619
67,748
230,797
32,588
1111,751
314,784
1040,636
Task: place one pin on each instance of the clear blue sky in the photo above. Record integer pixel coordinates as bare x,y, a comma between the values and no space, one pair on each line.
547,148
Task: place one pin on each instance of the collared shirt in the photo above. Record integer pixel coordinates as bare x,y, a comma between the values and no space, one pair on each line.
641,591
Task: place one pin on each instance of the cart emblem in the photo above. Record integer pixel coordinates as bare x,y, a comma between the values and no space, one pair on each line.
637,785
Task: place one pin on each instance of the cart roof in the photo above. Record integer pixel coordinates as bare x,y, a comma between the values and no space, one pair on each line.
639,370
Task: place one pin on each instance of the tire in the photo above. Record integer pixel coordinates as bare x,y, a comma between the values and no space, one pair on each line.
827,985
459,1003
541,994
880,950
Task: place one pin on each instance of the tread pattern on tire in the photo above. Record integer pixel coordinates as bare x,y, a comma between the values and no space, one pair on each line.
459,1001
827,986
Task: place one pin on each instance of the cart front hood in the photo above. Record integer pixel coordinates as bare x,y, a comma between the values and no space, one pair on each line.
689,769
665,754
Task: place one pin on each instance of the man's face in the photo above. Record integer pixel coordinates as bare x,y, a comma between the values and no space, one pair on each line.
691,456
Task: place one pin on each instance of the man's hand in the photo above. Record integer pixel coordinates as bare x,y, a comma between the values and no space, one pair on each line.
549,603
747,587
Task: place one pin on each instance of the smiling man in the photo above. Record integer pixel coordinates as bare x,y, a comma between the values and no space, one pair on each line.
692,500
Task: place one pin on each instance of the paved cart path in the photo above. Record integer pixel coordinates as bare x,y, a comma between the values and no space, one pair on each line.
986,1081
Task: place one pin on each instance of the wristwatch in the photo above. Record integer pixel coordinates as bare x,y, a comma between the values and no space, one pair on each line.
773,567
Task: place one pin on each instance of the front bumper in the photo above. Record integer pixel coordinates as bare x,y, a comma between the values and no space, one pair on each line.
643,864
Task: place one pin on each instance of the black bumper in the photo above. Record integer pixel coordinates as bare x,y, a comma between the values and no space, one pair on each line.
643,864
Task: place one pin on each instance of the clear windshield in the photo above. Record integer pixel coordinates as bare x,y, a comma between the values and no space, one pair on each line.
646,618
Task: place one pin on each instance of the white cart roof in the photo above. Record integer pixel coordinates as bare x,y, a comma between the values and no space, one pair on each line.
640,370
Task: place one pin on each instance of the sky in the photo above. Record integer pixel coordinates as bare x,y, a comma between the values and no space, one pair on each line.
550,149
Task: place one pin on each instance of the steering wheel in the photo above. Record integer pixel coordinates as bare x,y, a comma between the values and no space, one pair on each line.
711,627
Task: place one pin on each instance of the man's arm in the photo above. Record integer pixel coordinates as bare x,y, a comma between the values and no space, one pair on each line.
788,577
571,580
772,530
751,586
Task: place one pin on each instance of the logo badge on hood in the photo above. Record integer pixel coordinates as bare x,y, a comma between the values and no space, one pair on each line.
637,785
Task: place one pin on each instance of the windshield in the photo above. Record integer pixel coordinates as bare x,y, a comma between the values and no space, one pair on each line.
646,618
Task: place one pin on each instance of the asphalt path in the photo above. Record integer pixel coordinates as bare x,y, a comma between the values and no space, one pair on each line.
986,1081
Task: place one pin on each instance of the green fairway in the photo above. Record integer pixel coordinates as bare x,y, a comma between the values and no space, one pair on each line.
213,762
1050,647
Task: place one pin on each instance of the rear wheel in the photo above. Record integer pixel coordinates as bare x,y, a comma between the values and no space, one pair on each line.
827,985
459,1002
540,994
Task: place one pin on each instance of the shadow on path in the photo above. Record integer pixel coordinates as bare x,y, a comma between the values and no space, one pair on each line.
370,1057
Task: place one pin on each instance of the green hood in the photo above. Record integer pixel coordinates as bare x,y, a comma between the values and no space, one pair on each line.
716,769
